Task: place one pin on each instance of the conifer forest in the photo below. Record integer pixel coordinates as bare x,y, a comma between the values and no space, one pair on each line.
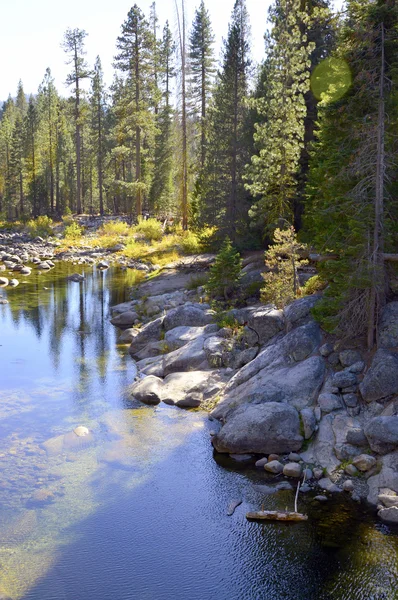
307,139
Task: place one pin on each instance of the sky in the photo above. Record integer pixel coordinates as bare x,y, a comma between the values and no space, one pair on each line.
32,33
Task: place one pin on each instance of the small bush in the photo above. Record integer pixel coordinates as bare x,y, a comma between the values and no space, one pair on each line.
42,226
73,231
150,229
313,285
190,243
114,229
225,272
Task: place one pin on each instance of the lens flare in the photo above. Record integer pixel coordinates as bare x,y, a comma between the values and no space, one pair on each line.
331,79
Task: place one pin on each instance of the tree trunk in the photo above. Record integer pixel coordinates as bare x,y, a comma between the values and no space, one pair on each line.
137,129
78,139
377,287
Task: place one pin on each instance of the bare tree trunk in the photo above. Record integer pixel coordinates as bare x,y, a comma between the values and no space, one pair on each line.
182,38
377,289
137,130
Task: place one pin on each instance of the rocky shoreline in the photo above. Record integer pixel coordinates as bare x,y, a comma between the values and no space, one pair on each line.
279,390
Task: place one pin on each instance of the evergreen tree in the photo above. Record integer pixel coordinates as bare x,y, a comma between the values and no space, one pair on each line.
287,109
32,122
224,200
135,59
98,108
202,70
74,46
352,209
224,274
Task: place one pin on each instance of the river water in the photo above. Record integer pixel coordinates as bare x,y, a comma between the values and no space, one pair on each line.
138,510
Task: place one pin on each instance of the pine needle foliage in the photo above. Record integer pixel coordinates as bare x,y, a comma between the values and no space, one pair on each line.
225,273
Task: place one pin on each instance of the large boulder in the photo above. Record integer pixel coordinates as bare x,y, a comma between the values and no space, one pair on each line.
385,479
297,385
188,358
149,333
261,429
300,309
321,450
179,336
187,316
382,434
388,326
125,320
381,380
266,321
148,390
178,386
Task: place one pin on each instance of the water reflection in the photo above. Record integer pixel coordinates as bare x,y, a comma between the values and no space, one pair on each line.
138,509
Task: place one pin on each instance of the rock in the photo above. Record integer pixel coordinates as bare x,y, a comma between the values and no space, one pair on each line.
177,386
148,390
127,336
297,385
274,467
3,281
249,336
260,429
294,457
261,462
329,402
192,400
381,380
389,515
44,266
348,486
351,470
81,431
186,316
333,359
243,357
125,320
328,485
321,498
350,400
344,379
309,422
13,282
292,469
388,326
357,367
364,462
215,349
233,505
149,333
179,336
386,479
103,264
25,271
241,457
266,321
349,357
308,474
77,277
356,436
388,500
382,434
299,309
318,473
326,350
304,488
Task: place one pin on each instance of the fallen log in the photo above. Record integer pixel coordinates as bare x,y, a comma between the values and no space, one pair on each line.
275,515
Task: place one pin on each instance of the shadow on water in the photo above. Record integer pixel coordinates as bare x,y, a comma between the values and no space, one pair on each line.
141,512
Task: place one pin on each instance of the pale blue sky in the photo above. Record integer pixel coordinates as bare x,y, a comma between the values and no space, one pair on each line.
32,32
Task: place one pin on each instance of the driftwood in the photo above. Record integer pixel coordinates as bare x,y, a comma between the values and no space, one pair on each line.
275,515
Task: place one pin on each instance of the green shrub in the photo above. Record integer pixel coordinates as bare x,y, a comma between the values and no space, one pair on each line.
190,243
314,284
42,226
114,229
225,272
150,229
73,231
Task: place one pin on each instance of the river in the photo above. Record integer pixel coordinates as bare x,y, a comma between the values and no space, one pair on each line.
138,511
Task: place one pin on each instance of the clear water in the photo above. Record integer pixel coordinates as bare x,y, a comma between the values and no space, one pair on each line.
140,512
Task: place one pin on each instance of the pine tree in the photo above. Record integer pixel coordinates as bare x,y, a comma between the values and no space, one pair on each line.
135,59
224,274
352,209
224,200
32,122
98,108
287,109
202,70
182,33
74,46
